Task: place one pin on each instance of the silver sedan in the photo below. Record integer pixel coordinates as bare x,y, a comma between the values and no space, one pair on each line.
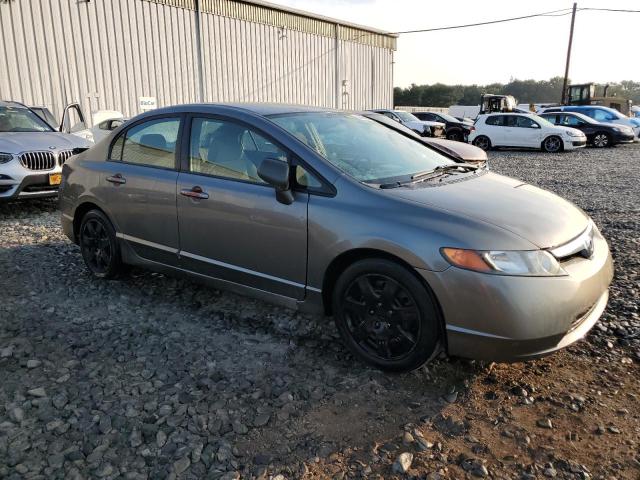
411,250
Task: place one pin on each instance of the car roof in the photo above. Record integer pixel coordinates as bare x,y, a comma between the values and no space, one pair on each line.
11,103
264,109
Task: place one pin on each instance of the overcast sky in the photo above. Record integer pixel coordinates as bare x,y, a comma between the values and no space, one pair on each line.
606,45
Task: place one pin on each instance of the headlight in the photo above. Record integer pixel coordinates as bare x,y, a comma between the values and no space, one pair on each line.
528,263
616,129
571,133
5,157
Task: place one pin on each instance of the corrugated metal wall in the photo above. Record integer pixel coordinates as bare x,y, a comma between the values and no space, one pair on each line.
105,54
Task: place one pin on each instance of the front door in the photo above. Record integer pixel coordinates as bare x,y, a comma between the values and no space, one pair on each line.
140,179
231,225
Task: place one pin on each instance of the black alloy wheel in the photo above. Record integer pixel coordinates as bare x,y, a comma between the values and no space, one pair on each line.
386,316
99,245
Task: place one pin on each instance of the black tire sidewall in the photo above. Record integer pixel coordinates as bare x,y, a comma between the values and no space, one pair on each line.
475,140
115,266
455,136
429,342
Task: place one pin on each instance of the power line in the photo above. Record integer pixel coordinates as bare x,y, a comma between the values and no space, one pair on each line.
554,13
609,10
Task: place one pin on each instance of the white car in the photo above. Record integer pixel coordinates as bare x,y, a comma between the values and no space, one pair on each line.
425,128
525,131
104,122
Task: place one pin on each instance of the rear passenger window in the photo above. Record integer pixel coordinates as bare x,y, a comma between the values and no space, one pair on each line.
151,143
551,118
496,120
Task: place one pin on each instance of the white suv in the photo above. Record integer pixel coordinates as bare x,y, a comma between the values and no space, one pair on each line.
525,131
31,153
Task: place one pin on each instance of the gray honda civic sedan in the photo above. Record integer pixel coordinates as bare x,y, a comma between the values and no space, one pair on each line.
411,250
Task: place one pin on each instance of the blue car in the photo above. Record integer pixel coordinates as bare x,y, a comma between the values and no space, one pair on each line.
601,114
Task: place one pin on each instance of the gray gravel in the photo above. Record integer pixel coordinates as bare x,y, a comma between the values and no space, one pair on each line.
154,377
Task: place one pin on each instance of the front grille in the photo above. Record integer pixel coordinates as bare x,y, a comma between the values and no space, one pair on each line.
63,156
38,160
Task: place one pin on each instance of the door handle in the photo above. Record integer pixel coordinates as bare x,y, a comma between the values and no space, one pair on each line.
117,179
195,192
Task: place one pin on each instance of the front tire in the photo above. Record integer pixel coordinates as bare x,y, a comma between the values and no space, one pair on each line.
552,144
386,316
99,245
455,135
483,142
602,140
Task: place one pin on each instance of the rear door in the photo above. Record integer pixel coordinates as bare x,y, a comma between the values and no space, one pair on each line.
141,177
495,129
231,225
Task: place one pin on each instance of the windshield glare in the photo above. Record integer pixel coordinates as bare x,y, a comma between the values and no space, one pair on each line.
406,116
361,147
21,120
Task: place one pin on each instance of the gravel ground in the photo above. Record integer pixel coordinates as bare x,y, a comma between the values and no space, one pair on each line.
154,377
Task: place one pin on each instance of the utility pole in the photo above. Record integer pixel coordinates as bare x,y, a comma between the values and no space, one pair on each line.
566,68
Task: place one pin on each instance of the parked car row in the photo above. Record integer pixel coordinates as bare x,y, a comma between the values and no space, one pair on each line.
423,127
554,130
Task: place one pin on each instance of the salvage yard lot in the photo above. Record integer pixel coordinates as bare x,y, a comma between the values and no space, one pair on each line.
153,376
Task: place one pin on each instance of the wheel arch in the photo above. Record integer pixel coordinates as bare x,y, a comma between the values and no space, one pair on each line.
542,147
79,213
349,257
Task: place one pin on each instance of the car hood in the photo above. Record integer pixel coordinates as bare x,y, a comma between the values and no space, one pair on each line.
460,150
18,142
537,215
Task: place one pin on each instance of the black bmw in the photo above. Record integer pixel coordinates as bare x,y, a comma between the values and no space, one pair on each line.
598,134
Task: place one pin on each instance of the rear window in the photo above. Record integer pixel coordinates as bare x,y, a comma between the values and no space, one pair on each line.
152,143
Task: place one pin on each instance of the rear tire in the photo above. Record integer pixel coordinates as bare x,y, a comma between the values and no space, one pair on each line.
602,140
99,245
552,144
483,142
386,316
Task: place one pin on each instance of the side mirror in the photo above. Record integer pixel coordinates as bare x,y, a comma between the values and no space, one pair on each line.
79,150
276,173
535,125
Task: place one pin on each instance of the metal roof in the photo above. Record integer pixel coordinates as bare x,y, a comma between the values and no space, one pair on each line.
259,11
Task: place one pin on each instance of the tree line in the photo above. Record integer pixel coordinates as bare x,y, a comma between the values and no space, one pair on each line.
525,91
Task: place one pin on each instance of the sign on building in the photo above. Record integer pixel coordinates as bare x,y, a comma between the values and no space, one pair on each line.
148,103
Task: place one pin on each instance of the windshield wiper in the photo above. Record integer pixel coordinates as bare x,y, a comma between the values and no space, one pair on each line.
436,172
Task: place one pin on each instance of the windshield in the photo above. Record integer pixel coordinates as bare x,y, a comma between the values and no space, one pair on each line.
21,120
583,117
540,120
361,147
448,118
406,116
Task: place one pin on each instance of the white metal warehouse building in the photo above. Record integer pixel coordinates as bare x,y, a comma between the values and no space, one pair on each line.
107,54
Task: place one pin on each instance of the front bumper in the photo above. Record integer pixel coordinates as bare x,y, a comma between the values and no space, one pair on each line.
510,318
17,182
575,142
620,137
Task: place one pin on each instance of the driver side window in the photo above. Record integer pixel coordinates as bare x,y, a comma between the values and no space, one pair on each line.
226,149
